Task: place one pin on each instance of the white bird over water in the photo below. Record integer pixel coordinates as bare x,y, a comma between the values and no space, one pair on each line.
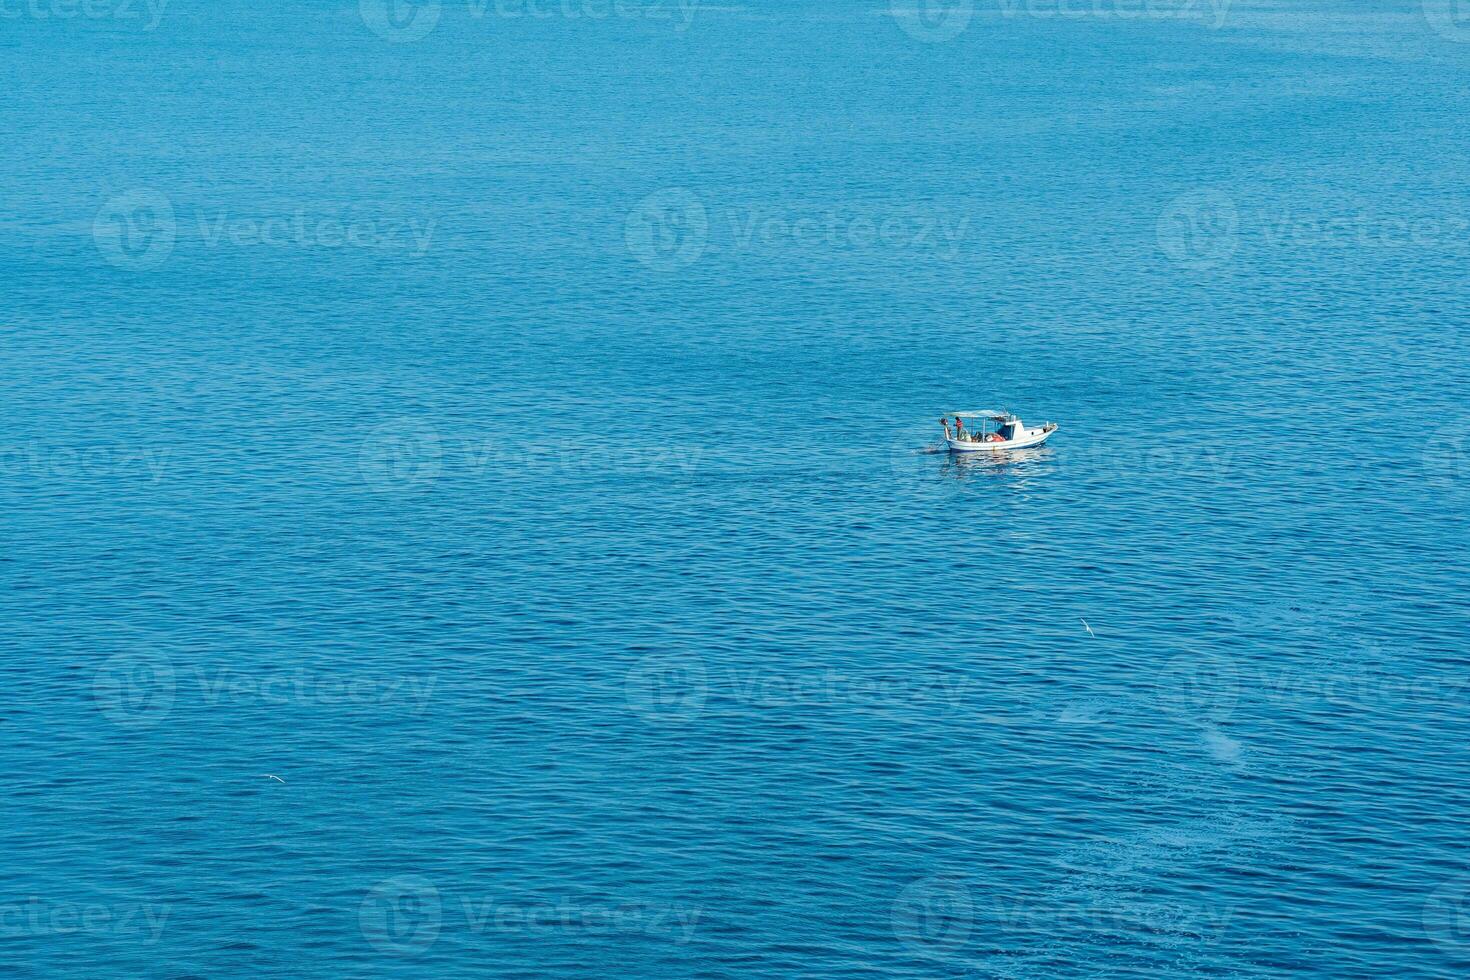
1089,629
276,778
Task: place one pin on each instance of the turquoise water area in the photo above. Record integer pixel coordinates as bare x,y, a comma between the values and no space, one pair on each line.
469,508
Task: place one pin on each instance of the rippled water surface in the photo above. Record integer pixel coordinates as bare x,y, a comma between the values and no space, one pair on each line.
469,506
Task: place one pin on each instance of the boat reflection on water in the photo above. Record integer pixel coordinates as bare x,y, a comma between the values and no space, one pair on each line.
1012,462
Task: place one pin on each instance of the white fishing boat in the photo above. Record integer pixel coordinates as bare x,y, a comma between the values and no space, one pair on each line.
992,430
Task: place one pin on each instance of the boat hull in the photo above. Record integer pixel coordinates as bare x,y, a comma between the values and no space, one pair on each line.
1025,442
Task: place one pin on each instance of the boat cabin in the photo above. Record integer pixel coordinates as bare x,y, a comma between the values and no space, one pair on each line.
986,426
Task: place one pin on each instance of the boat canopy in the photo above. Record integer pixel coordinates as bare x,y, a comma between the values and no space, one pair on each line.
985,414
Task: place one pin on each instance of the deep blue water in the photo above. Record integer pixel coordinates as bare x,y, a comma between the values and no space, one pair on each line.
510,432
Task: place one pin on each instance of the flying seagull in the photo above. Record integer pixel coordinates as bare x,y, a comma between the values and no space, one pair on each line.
276,778
1089,629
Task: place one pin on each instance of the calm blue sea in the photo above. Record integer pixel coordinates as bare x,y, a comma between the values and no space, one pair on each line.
470,509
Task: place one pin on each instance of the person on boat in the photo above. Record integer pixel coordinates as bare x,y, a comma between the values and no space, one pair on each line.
959,427
944,421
